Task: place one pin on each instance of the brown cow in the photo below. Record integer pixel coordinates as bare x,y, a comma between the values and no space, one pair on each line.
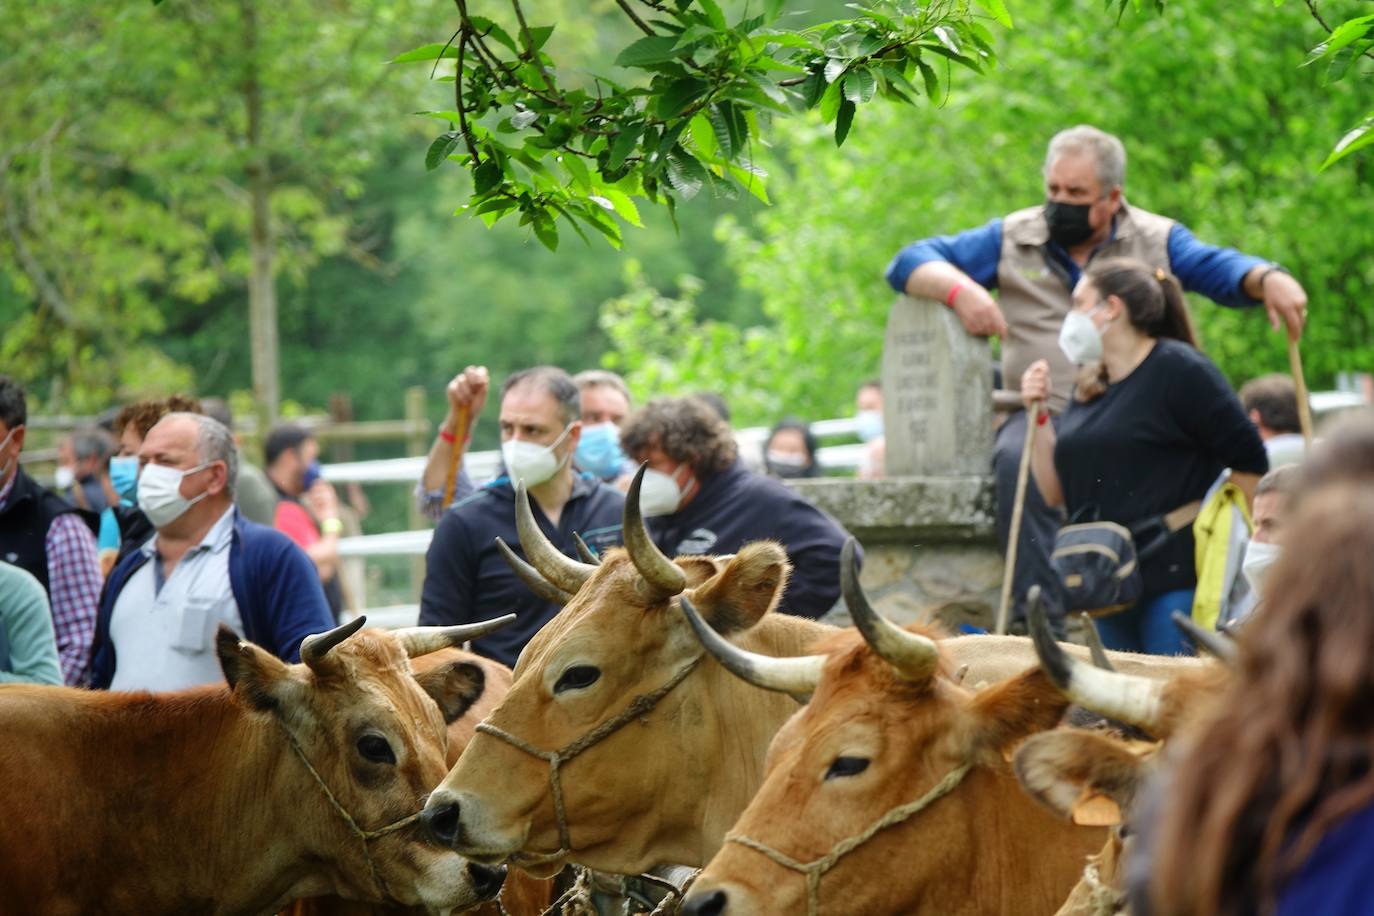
666,789
891,793
295,780
1093,778
521,895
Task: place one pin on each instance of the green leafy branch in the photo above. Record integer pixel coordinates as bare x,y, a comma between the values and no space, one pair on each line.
690,99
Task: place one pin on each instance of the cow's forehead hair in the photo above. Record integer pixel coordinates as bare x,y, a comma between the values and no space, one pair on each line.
375,674
609,609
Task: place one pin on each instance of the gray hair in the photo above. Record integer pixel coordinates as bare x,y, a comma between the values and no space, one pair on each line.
1107,151
602,378
214,442
553,381
92,442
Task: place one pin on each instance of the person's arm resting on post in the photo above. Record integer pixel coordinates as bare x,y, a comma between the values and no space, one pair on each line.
957,270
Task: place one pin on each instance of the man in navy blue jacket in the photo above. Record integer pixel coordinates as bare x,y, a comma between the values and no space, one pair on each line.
466,578
206,565
699,498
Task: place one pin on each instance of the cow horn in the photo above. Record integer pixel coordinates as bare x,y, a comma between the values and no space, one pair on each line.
419,641
556,566
315,648
913,655
659,571
1124,697
1216,644
1094,641
796,676
586,553
530,576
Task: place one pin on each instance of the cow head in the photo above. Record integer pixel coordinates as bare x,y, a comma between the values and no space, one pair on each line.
373,732
629,797
888,725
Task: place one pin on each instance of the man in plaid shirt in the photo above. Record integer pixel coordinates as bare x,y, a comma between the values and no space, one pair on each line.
51,539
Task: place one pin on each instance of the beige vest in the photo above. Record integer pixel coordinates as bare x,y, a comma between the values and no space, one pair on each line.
1035,296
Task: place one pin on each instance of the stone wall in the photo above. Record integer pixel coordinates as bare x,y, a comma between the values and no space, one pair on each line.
929,544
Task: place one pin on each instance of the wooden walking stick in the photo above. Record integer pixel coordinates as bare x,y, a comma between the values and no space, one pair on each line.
1304,408
460,444
1018,505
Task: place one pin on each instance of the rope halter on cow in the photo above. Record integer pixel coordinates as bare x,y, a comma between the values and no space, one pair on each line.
364,836
639,707
813,871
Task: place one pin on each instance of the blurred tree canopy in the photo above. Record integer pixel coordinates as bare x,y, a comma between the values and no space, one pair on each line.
124,256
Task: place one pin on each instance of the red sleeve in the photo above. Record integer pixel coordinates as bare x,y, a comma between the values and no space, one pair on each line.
293,521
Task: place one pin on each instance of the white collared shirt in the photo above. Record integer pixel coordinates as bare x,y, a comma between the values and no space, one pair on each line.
163,630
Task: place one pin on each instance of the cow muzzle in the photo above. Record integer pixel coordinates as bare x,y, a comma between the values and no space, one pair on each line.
453,820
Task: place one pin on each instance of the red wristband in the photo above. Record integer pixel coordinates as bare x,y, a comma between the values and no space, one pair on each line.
447,436
1043,418
949,300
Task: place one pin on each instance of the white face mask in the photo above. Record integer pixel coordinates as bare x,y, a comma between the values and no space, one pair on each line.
159,493
659,493
1259,559
1080,339
531,462
64,477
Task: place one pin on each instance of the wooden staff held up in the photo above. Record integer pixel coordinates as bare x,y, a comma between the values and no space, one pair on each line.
1017,509
1300,384
460,445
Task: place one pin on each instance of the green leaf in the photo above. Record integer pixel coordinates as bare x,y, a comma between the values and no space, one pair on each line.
486,176
1356,139
830,102
932,81
434,51
834,67
539,35
653,49
679,95
685,174
440,148
703,136
751,180
622,204
859,85
713,13
488,29
721,124
843,120
546,231
624,144
998,10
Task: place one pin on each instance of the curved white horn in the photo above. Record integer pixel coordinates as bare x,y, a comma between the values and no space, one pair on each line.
419,641
1124,697
531,577
914,656
659,571
797,676
552,563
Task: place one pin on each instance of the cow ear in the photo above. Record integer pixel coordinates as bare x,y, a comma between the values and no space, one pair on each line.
257,677
454,686
1007,712
1079,774
748,586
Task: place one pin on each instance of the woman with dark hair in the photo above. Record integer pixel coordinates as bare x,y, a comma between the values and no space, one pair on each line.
790,450
1151,426
1270,806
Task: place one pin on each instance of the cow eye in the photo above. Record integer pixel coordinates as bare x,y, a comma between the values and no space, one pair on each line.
846,766
576,678
375,749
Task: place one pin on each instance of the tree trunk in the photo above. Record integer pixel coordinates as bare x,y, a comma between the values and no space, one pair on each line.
262,284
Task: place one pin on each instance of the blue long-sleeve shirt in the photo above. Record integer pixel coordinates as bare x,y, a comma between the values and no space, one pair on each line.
1215,272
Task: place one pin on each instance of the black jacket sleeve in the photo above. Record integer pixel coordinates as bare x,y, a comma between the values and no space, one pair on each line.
447,595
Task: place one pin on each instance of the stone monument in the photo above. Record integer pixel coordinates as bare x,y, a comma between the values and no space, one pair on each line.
937,394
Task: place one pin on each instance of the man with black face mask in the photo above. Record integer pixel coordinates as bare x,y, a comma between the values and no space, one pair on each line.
1034,259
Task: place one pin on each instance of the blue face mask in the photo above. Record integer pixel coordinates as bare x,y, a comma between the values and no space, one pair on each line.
598,451
869,424
312,474
124,478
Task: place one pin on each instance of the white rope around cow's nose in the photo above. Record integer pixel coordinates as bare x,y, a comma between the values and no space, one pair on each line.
638,707
813,870
364,836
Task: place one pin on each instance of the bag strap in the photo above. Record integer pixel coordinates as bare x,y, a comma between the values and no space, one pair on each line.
1166,525
1183,516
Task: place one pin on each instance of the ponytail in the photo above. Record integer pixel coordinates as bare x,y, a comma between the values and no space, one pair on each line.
1176,323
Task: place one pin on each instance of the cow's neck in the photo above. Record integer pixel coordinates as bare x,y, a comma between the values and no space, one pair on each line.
207,801
1019,857
740,722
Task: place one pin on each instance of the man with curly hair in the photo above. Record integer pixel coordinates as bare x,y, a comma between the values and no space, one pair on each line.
699,498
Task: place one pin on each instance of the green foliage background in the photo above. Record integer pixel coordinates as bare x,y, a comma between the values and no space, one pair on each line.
128,204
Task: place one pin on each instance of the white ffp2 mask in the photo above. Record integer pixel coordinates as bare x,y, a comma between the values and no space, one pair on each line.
1259,560
159,493
1080,339
531,462
659,494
